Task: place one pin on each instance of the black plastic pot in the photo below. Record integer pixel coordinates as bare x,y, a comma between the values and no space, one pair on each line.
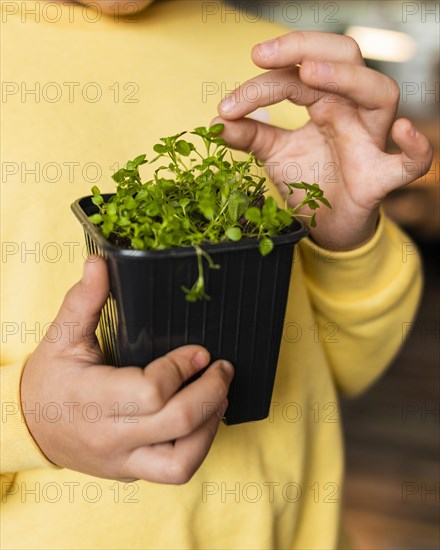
147,314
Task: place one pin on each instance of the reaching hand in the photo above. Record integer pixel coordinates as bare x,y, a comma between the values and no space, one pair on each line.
352,110
120,423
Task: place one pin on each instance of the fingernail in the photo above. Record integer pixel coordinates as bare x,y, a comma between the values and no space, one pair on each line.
228,104
268,48
86,276
413,132
227,368
323,69
201,359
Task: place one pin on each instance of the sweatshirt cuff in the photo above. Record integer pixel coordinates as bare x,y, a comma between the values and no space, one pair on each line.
19,450
350,275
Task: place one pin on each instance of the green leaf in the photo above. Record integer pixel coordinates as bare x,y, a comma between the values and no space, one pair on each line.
313,221
119,176
173,139
129,203
184,147
161,149
270,208
200,131
284,217
107,228
95,218
124,221
141,159
111,209
234,233
265,246
207,207
167,209
137,243
190,295
238,203
95,190
209,161
142,195
97,199
253,215
165,185
303,185
218,140
217,128
326,202
184,202
153,209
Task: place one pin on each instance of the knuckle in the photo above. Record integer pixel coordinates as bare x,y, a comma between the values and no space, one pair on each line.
150,397
179,472
212,427
393,92
70,299
266,146
95,444
176,363
352,47
217,387
429,154
300,38
182,420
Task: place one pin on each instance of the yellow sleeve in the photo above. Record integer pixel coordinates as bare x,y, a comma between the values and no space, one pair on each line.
364,301
18,449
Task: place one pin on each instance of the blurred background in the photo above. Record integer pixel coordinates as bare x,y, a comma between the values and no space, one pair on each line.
392,492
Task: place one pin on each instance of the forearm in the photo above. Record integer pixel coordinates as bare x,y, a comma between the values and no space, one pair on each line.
370,295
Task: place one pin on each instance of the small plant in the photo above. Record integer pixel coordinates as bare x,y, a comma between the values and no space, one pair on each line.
196,198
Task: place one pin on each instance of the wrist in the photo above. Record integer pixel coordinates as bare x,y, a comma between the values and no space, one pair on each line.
342,234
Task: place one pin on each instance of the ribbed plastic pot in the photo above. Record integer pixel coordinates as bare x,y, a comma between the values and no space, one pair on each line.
147,314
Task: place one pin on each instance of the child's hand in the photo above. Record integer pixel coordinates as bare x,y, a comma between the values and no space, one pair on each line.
120,423
342,146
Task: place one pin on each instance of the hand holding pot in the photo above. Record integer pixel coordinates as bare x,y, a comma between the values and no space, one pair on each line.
352,110
119,423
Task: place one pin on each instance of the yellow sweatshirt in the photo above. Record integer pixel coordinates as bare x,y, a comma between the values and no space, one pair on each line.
82,92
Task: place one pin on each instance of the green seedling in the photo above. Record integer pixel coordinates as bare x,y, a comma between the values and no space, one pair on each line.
196,197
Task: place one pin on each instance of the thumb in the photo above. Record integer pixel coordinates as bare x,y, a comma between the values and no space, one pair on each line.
79,314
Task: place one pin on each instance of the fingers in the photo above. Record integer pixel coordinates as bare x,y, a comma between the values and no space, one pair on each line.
177,417
297,47
169,372
330,82
191,418
332,75
268,89
79,314
363,86
247,134
186,411
149,389
416,156
174,463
